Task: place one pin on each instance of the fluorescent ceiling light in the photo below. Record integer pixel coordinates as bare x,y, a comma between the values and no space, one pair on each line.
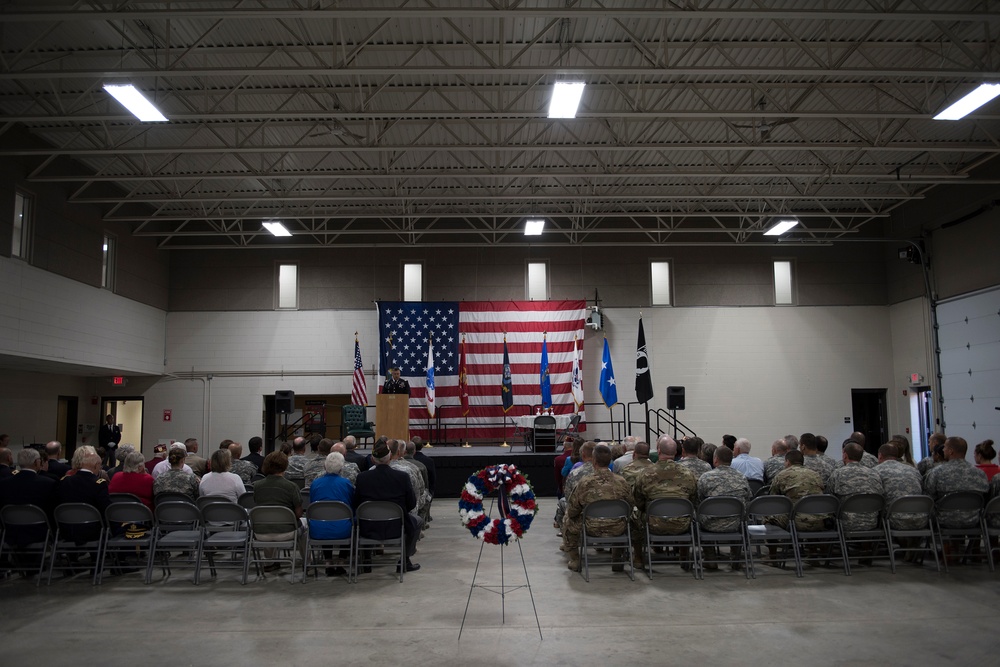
533,227
566,99
135,102
276,228
781,226
977,98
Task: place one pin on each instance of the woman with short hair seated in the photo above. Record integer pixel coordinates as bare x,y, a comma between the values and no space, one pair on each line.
332,486
221,482
134,479
177,479
274,489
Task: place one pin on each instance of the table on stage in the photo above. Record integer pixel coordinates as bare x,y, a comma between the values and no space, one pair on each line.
526,427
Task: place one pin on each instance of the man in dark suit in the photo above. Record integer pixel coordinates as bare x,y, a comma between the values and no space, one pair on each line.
84,487
395,384
6,463
108,437
27,487
353,456
384,483
255,444
56,469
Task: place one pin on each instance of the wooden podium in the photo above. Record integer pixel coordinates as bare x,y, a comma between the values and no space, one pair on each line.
392,416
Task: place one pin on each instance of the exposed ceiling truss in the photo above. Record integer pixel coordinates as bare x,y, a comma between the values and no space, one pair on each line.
414,123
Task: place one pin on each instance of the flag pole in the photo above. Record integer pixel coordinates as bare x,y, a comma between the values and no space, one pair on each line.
505,412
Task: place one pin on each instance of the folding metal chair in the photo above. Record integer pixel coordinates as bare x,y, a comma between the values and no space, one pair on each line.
172,497
178,528
863,503
608,510
762,491
328,512
227,530
271,520
544,433
755,486
304,493
375,527
911,509
123,498
829,536
769,535
671,508
133,517
722,507
961,501
26,532
205,500
247,501
991,529
80,531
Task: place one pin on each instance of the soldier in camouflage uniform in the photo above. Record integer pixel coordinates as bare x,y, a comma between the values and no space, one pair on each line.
851,479
640,461
955,474
813,460
935,441
664,479
868,459
176,479
574,477
993,519
723,480
602,484
898,480
244,469
397,448
776,463
690,459
796,482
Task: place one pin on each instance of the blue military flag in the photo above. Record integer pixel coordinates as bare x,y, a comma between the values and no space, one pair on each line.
609,391
544,383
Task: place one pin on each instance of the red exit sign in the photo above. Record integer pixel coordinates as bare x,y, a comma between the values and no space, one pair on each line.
118,381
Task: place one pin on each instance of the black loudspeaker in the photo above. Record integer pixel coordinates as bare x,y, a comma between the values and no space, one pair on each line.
675,398
284,402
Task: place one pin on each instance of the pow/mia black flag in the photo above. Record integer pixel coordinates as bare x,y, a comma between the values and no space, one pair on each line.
643,383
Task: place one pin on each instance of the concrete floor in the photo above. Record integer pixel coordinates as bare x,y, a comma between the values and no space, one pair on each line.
917,617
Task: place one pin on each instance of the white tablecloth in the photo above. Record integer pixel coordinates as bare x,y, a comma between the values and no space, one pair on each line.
528,421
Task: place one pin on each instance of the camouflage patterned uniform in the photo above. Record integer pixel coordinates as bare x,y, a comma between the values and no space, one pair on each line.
994,520
177,481
898,480
823,465
797,482
317,468
419,490
952,476
695,465
632,471
867,460
664,479
572,480
852,479
723,481
772,467
602,484
244,469
925,465
296,466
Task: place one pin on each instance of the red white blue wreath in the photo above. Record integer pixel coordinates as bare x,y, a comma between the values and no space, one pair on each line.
517,504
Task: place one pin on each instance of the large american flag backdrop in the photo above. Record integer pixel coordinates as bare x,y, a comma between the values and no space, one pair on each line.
407,325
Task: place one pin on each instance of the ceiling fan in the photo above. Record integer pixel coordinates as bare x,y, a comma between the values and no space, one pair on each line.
764,126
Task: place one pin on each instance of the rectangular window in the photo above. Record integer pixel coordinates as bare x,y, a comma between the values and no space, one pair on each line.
413,281
21,237
659,275
288,286
538,281
108,263
783,283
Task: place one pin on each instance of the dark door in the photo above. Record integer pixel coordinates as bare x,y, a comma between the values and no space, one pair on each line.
66,424
871,417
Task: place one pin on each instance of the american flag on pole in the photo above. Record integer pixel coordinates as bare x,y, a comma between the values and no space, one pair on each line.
484,323
359,392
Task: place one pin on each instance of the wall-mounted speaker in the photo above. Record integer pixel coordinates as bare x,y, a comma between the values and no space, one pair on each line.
284,402
675,398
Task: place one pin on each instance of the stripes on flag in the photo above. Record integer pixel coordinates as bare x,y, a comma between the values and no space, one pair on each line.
359,390
483,323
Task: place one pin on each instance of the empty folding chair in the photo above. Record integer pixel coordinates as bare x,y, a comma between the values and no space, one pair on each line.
727,510
130,534
227,532
808,542
665,509
953,509
909,528
178,528
379,525
267,522
80,531
609,510
26,535
328,517
771,536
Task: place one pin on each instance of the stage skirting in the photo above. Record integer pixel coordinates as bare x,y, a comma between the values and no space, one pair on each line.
454,467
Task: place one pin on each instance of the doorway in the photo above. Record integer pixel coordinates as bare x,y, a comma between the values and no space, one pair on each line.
870,417
127,412
66,426
921,420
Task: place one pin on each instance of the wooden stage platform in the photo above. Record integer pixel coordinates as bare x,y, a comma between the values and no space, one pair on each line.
455,464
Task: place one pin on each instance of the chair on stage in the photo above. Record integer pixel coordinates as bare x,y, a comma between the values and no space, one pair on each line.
354,421
544,434
573,429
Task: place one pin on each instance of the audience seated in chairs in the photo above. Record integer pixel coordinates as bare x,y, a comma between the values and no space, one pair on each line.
274,489
244,469
664,479
382,482
178,478
601,484
134,479
796,482
691,456
221,482
954,474
332,486
723,480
